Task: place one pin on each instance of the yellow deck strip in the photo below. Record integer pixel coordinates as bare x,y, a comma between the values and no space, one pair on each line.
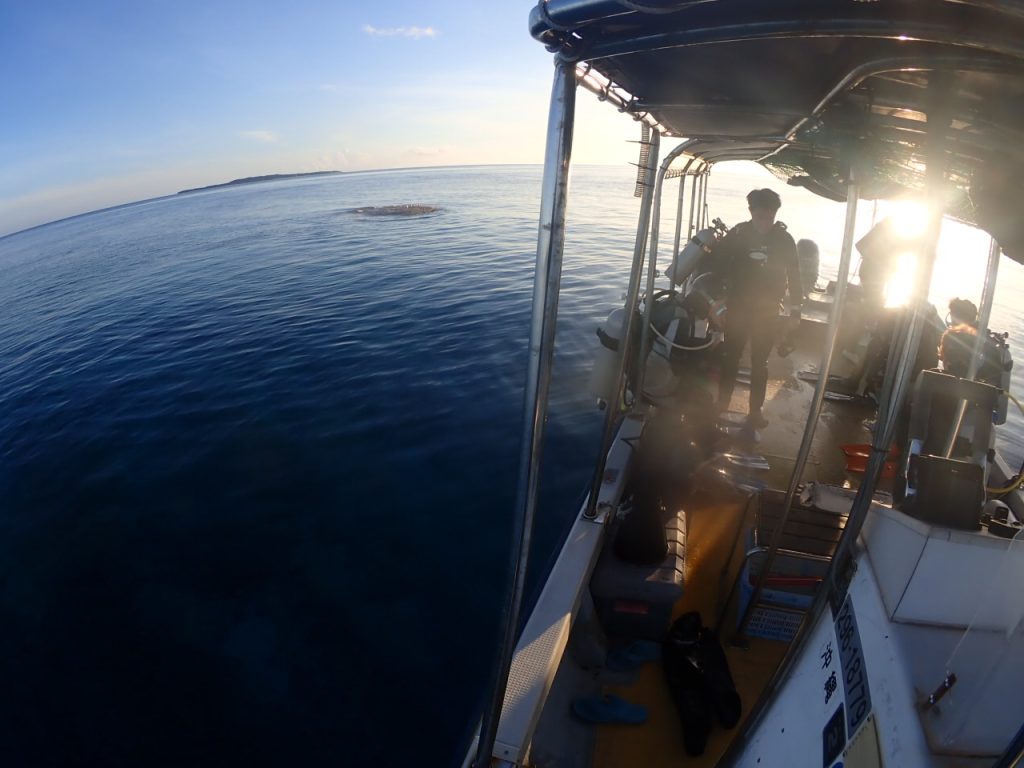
658,743
713,514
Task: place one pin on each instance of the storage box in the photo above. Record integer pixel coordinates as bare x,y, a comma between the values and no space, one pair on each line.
950,492
636,601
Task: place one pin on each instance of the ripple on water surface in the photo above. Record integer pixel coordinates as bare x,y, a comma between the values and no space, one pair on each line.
256,467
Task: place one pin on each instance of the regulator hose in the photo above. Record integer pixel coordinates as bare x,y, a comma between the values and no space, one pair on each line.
674,345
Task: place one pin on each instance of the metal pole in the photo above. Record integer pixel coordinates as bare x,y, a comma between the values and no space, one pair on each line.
652,266
704,198
988,293
816,401
635,273
679,217
893,390
698,192
898,375
693,205
701,219
547,277
697,226
679,224
898,371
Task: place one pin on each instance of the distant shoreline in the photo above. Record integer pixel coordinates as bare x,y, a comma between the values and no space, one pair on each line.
364,171
258,179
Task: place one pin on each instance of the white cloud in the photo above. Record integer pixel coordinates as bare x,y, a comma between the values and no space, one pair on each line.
342,159
413,32
432,151
267,137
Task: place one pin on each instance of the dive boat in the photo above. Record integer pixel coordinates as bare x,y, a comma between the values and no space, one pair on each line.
843,586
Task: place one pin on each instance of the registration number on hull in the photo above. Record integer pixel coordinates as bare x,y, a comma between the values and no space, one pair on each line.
855,703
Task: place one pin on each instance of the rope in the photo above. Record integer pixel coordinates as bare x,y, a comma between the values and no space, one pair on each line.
1012,487
1015,401
985,601
1020,475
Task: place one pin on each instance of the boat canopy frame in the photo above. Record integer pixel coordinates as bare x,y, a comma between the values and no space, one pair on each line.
802,86
872,106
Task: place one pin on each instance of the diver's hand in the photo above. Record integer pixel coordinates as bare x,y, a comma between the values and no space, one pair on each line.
717,314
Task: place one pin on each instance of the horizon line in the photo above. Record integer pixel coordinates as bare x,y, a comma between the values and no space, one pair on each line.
211,188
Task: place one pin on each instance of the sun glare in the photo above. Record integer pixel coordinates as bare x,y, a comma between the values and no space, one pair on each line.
900,285
910,218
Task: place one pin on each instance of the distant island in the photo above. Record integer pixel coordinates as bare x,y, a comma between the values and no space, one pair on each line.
258,179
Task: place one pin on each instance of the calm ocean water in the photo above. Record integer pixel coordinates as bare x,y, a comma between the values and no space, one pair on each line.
257,458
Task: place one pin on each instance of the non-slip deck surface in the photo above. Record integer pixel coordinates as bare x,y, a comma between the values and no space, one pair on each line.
718,515
659,741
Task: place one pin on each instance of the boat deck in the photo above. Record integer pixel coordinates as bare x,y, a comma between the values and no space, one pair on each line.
718,514
713,525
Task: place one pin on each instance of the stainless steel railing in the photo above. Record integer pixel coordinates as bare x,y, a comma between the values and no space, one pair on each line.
546,281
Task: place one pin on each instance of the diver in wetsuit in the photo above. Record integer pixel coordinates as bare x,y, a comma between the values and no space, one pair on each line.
759,261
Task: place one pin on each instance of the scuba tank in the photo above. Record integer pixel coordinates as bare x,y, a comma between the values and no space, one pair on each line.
690,257
660,381
683,332
680,323
602,375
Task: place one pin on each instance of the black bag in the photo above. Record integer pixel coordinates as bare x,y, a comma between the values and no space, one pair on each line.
699,680
641,538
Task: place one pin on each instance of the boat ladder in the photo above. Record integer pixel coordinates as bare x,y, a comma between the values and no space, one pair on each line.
806,548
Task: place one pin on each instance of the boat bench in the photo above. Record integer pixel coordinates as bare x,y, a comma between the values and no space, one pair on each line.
636,601
546,634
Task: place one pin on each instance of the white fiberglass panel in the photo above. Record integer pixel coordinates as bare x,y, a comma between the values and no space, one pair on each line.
808,723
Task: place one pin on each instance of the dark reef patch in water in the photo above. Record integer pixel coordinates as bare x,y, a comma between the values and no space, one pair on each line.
406,209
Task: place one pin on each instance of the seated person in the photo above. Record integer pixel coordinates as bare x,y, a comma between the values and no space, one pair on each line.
955,351
880,250
868,379
956,348
962,312
807,256
868,317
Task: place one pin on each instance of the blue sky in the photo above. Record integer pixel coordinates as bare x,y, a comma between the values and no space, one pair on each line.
108,102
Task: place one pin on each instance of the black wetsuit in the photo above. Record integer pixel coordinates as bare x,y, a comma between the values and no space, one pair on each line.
758,269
